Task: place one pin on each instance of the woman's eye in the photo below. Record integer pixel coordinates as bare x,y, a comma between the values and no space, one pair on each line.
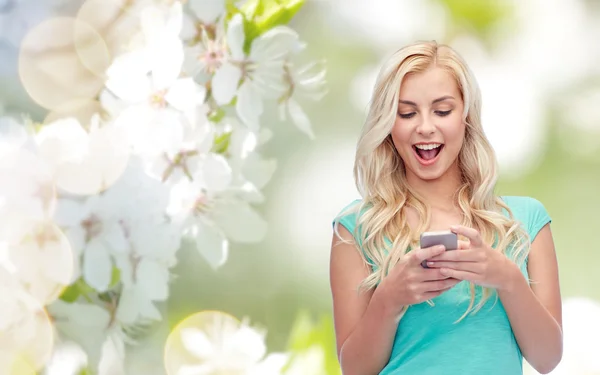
406,115
443,113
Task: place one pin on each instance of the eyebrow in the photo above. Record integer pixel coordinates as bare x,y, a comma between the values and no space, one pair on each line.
446,97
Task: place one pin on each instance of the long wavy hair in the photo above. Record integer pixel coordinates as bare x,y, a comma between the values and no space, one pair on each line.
382,231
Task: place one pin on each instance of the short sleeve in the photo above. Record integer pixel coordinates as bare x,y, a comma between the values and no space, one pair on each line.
538,217
348,217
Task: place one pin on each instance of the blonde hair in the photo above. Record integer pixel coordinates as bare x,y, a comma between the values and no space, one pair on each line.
382,231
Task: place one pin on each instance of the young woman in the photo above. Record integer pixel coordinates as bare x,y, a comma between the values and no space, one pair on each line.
423,163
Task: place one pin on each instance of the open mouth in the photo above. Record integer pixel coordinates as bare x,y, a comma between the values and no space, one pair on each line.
428,152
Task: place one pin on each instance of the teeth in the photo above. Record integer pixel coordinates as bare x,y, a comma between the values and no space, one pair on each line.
430,146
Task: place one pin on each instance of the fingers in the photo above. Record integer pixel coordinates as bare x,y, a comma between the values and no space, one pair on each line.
439,285
471,233
463,245
467,255
460,266
461,275
431,274
419,255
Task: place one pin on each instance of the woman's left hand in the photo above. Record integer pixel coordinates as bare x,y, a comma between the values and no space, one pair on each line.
476,261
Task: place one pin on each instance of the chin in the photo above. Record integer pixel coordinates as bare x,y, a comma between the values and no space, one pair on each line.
428,175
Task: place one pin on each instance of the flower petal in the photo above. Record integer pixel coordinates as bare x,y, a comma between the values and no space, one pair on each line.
300,118
184,94
235,37
174,20
205,369
249,105
246,346
188,28
216,172
114,237
127,77
272,365
167,61
197,343
153,279
129,306
212,245
240,222
61,141
274,44
257,170
207,10
69,213
225,83
97,266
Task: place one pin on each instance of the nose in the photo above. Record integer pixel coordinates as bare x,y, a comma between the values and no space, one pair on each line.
426,126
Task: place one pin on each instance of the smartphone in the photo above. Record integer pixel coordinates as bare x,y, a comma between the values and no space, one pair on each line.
447,238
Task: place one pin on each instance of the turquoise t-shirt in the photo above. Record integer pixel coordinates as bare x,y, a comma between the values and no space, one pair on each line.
427,340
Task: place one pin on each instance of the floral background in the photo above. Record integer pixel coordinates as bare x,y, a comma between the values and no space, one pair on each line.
169,170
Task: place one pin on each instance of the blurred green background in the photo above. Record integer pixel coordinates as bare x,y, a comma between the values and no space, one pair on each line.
544,122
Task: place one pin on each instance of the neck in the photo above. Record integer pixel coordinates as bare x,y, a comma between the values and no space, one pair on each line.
438,193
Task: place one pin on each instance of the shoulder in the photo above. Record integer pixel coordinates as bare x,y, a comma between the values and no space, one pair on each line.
529,211
348,215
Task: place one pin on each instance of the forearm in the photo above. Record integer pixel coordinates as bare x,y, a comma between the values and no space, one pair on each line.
367,350
538,334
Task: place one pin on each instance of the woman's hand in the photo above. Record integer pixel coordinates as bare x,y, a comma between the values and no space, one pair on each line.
476,261
409,283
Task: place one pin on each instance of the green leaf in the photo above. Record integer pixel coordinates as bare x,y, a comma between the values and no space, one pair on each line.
250,8
70,294
78,288
217,115
279,14
115,277
263,15
221,143
85,371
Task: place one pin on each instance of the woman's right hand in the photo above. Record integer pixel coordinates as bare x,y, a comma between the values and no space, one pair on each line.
409,283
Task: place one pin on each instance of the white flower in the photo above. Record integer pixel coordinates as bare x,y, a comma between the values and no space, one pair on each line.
124,224
189,207
212,211
222,56
159,104
112,361
262,72
68,359
209,54
42,259
94,232
187,160
247,165
307,81
27,190
25,329
86,324
83,162
221,344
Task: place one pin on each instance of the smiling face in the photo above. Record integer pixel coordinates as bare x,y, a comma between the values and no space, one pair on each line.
429,129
